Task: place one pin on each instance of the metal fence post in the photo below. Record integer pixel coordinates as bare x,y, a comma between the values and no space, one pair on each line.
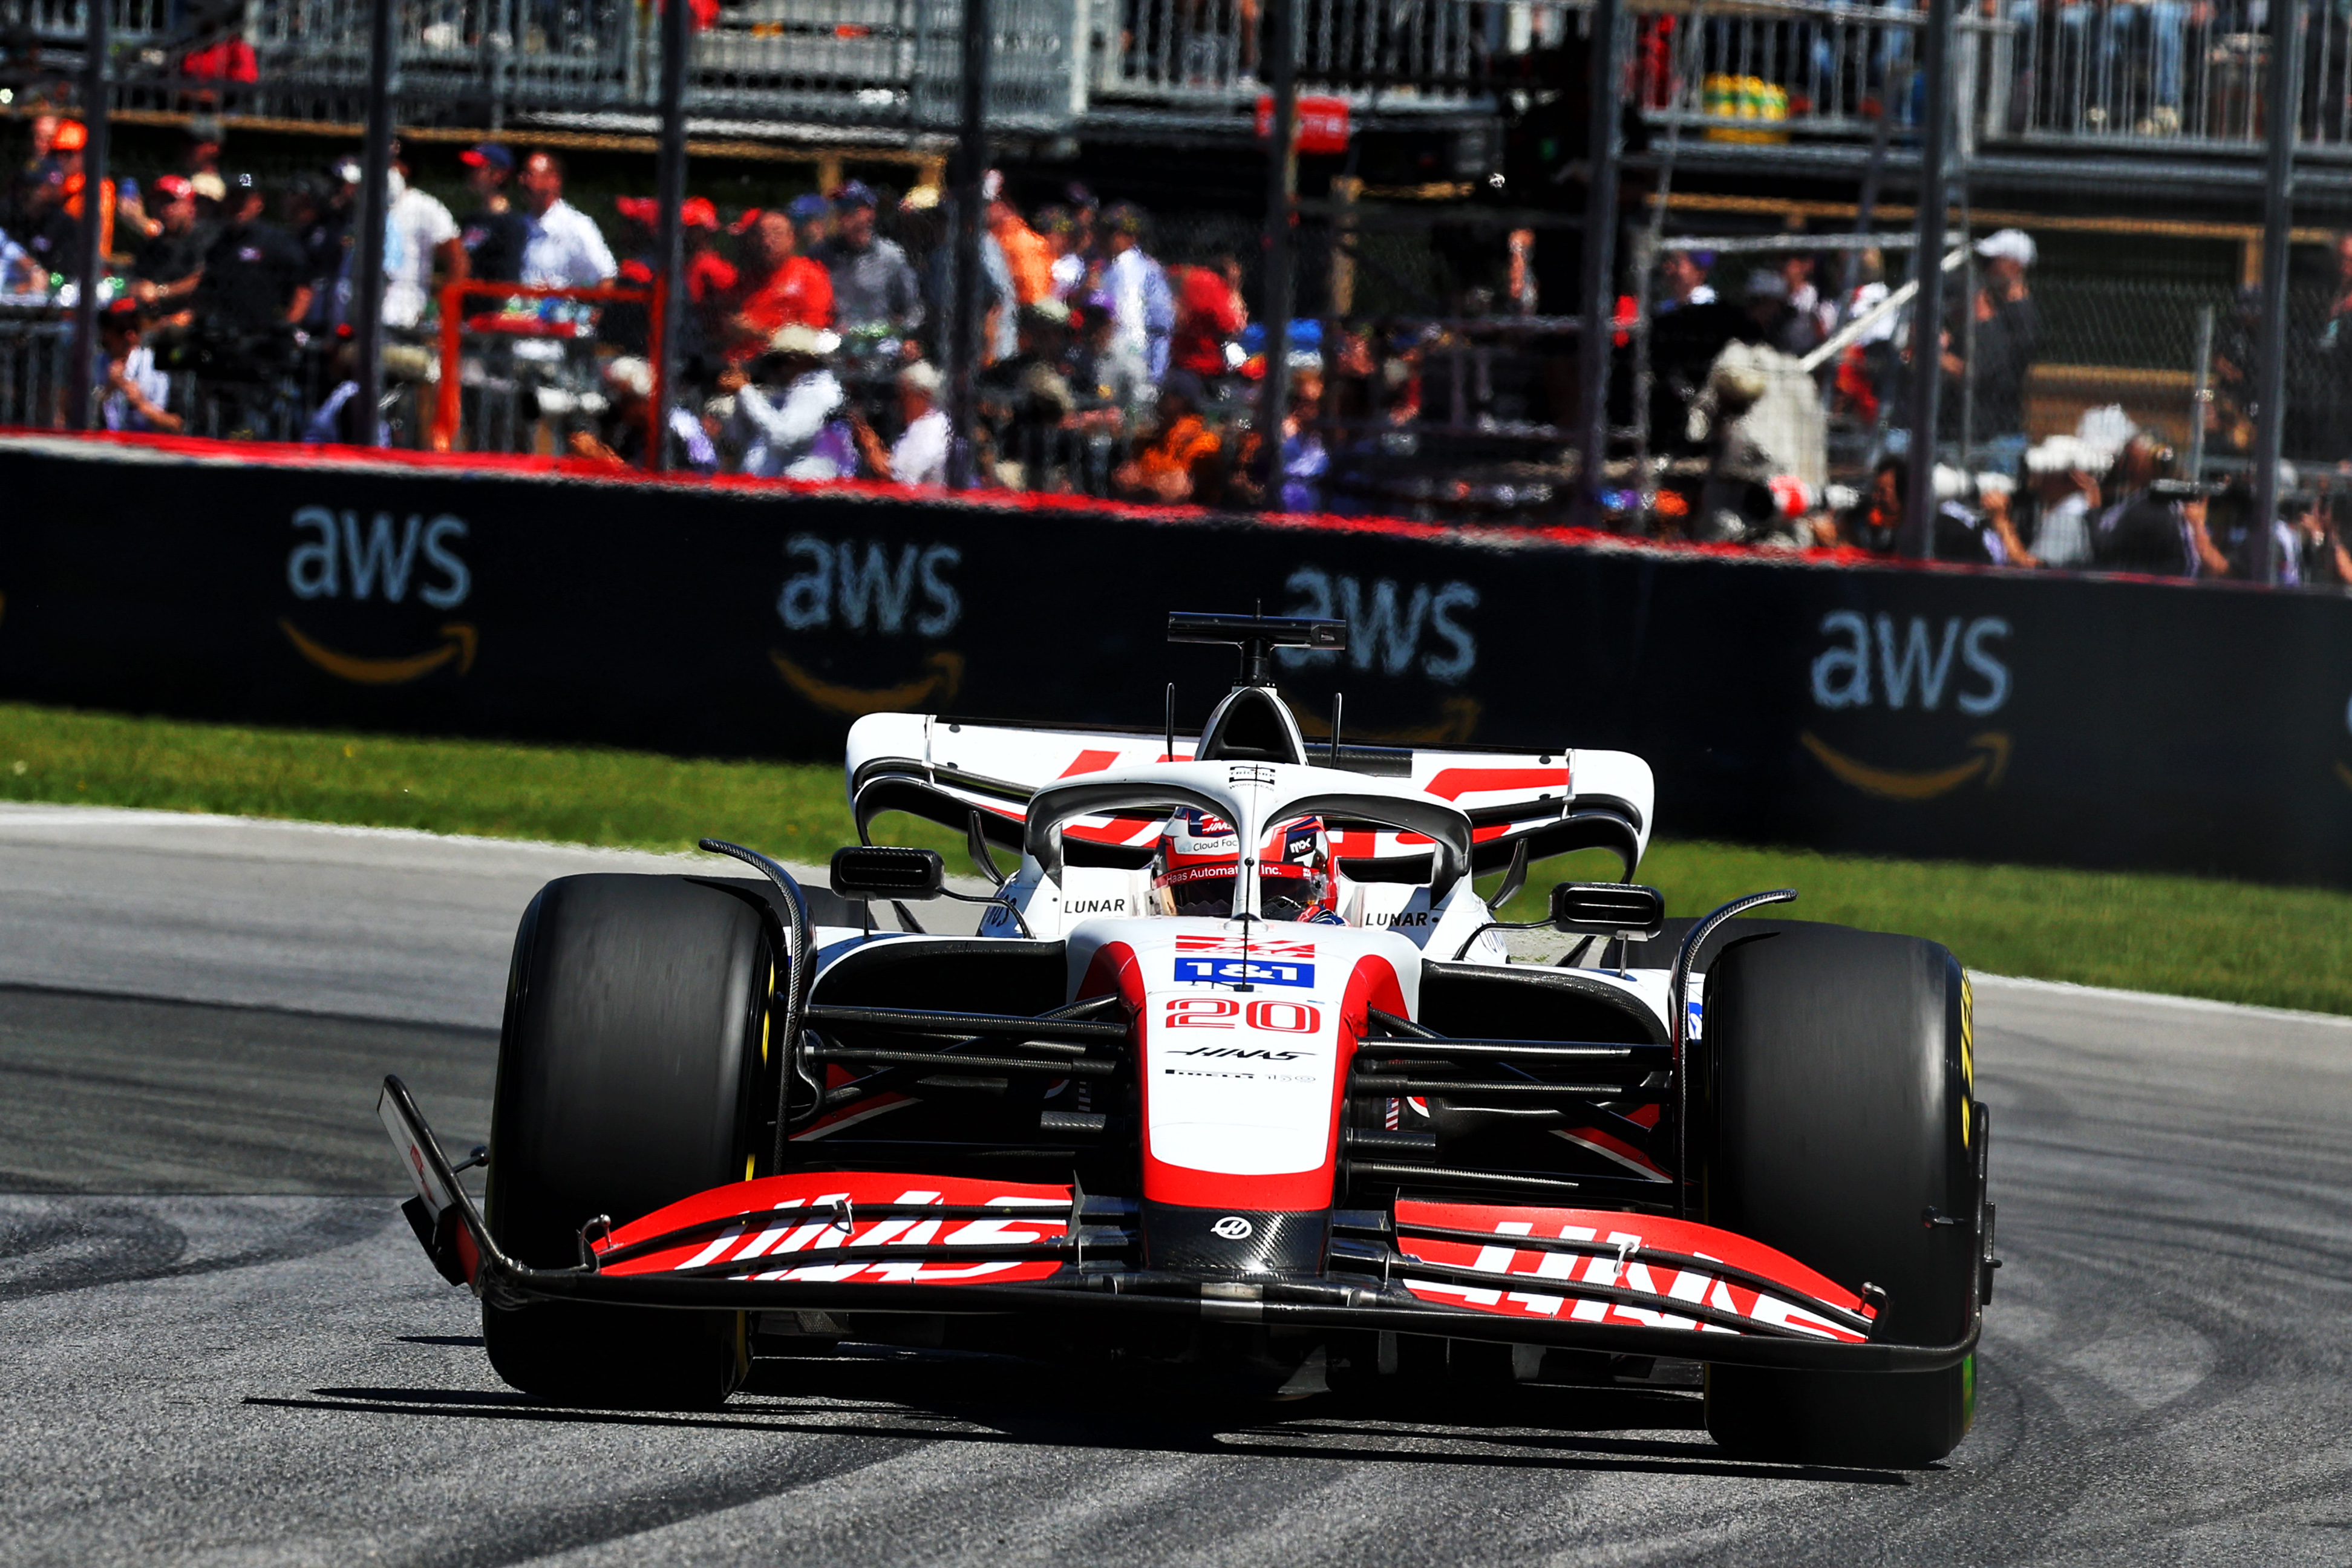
97,81
2278,217
376,209
670,232
964,346
1918,535
1600,262
1281,184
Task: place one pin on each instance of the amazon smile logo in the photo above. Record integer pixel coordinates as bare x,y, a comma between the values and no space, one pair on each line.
458,644
946,678
338,557
1990,762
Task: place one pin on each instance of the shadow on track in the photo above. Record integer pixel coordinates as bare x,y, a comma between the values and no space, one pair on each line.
1000,1401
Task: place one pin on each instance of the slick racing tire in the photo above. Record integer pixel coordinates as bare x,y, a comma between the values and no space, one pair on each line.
1840,1097
629,1073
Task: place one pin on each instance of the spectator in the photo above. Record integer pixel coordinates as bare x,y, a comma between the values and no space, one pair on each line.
136,390
1304,460
1766,303
774,288
1814,317
782,433
1875,523
812,217
619,439
2064,474
1683,275
303,205
1999,340
1105,371
874,285
1069,267
1026,402
563,247
709,277
1178,460
920,456
2147,530
19,273
66,153
1028,258
2322,557
1141,303
176,250
252,287
1208,315
494,235
424,239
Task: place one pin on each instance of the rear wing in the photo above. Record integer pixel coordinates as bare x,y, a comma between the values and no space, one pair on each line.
946,769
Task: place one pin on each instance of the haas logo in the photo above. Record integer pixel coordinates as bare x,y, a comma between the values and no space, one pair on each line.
1233,1227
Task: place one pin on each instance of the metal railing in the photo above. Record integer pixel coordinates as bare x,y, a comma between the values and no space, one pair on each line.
2155,74
33,353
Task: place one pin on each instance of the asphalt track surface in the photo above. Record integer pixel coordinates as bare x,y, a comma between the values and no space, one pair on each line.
219,1343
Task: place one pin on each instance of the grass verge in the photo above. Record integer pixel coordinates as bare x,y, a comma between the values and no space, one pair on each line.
2235,941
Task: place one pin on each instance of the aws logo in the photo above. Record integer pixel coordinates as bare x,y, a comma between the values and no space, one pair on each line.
1915,662
841,584
382,558
1881,661
1390,628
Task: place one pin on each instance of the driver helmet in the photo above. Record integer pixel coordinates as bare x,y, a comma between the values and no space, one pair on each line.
1200,854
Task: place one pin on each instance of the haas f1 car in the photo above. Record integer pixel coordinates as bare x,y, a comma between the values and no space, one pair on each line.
1238,1073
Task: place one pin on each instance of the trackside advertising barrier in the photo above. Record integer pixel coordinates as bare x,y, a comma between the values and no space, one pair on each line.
1825,702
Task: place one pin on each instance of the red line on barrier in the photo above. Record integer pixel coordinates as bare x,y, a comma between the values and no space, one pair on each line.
1490,535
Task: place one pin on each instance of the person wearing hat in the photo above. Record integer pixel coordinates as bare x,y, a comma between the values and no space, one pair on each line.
1142,304
168,261
493,233
66,153
135,389
1682,277
1987,357
2064,473
812,217
920,456
874,285
783,432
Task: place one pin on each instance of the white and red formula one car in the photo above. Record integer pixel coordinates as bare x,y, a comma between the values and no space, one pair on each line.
1237,1072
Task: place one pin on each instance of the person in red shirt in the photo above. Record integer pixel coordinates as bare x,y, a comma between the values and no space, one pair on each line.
775,288
1208,316
709,275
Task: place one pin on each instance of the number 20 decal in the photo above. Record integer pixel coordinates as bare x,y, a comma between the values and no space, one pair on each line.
1219,1012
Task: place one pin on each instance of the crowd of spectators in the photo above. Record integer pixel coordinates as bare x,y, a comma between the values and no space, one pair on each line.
812,337
2109,495
814,343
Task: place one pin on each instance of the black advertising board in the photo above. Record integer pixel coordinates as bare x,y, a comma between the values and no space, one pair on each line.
1852,707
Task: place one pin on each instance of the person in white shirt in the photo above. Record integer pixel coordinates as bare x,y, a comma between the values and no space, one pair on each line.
422,230
919,455
564,250
782,436
136,388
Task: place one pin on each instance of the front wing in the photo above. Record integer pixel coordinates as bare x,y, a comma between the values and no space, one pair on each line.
878,1242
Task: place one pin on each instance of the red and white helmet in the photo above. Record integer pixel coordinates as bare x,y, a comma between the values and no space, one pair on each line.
1200,855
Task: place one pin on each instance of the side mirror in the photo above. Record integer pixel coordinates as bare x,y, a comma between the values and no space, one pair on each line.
882,872
1609,909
